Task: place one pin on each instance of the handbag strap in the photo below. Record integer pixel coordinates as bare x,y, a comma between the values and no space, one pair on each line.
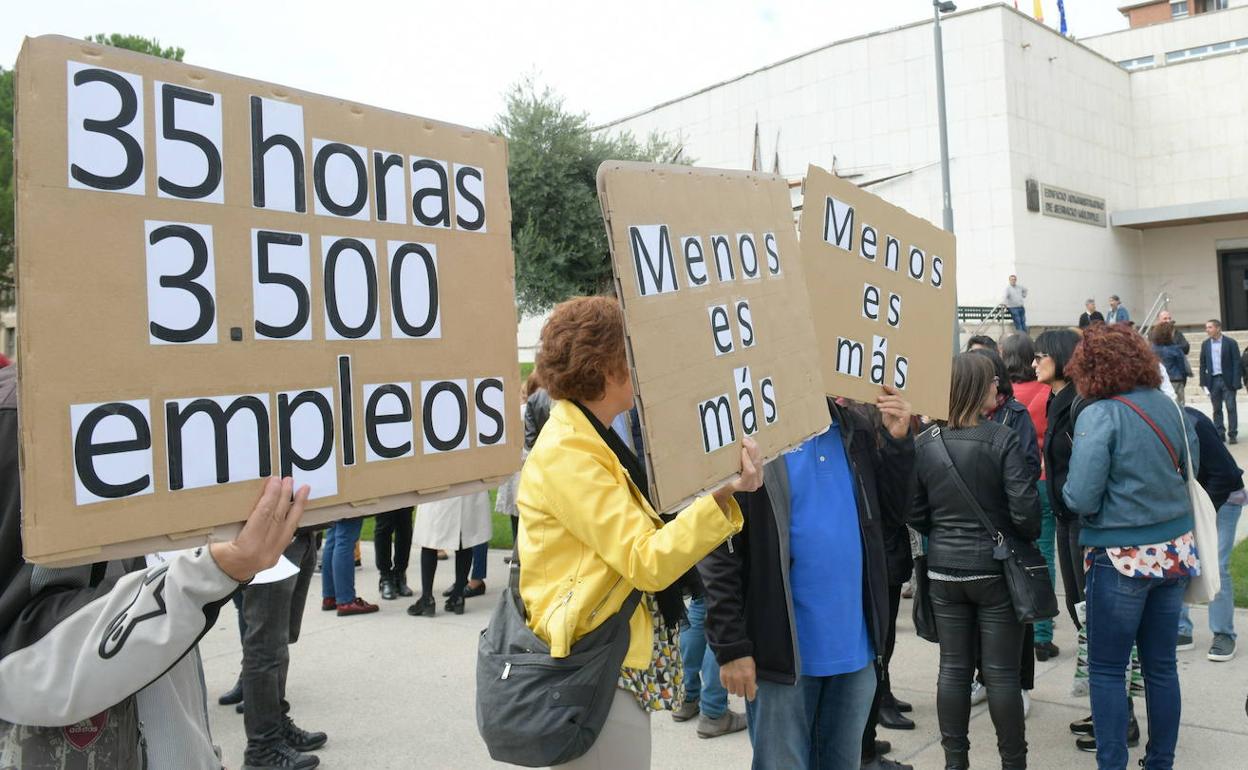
943,453
1174,456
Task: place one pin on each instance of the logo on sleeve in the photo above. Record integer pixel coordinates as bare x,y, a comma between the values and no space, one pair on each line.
148,603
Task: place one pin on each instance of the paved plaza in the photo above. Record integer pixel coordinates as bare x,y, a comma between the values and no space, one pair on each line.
396,692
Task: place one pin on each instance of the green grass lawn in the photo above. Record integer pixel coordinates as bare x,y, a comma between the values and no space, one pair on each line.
1239,573
502,524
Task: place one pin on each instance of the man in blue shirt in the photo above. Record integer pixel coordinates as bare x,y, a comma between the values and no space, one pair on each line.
797,603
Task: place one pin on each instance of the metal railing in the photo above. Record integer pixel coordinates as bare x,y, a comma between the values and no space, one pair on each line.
999,315
1159,304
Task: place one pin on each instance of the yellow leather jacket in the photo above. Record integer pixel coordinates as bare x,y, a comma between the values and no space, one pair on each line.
588,537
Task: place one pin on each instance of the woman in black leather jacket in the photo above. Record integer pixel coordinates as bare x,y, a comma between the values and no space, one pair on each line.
969,596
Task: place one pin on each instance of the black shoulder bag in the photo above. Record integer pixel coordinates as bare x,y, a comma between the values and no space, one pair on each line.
1026,572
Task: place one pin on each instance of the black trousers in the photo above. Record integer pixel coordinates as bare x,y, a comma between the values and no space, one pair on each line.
393,526
1070,564
973,614
883,692
274,616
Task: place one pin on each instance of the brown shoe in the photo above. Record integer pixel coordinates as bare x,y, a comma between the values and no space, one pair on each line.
328,603
357,607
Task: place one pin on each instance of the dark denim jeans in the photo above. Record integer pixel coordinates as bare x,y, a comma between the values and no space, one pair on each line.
1019,316
816,724
338,561
1145,612
701,669
274,615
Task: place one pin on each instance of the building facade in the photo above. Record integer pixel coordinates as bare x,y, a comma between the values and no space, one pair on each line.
1085,167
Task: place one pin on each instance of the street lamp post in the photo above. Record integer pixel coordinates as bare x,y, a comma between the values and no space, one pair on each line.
939,7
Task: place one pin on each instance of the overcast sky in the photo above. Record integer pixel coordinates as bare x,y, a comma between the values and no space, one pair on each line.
453,60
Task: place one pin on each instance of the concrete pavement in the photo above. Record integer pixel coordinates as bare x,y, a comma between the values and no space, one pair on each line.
398,692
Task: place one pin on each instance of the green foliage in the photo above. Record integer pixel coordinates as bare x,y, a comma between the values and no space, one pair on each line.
7,232
556,223
147,45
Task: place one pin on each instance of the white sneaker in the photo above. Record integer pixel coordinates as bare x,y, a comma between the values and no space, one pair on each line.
1026,704
979,693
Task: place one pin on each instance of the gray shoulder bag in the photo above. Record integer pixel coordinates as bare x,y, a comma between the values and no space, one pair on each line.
534,710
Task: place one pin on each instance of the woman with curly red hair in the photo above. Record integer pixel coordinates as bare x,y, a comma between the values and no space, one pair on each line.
589,537
1127,483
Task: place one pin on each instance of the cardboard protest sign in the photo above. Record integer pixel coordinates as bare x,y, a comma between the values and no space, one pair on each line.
221,279
717,315
882,293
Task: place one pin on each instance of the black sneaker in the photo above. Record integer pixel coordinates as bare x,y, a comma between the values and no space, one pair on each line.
1185,643
299,739
279,756
1088,742
1083,726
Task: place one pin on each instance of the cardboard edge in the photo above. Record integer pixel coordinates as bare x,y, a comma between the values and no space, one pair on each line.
226,532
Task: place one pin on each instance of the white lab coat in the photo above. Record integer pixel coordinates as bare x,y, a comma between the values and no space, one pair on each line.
453,523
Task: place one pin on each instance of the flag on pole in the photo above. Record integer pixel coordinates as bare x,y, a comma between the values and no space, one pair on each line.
1039,11
1061,12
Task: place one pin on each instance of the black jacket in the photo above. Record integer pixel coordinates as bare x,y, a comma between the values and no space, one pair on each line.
536,412
1232,365
1059,442
1086,320
749,603
1015,416
991,463
1219,474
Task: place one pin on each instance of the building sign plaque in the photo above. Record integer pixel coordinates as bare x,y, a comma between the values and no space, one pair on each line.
1075,206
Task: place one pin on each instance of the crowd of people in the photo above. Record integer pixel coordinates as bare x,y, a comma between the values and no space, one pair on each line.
782,586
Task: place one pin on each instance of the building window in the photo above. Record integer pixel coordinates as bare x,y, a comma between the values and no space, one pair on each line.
1178,9
10,341
1135,64
1213,49
1219,5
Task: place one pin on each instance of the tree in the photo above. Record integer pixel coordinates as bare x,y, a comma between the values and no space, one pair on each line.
149,46
556,223
7,184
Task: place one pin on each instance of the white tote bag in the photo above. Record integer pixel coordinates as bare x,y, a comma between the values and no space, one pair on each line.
1202,588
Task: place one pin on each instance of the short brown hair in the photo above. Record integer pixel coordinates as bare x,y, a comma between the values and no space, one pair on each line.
582,344
1162,334
1113,359
969,388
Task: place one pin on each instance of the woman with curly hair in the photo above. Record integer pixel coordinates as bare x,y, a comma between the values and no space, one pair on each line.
589,536
1127,482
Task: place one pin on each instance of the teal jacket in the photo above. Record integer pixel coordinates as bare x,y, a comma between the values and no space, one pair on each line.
1122,481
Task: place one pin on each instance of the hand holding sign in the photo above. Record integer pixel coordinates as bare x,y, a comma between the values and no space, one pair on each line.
895,411
266,533
751,477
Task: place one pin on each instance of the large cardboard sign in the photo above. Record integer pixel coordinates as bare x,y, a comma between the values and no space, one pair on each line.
222,280
719,334
882,294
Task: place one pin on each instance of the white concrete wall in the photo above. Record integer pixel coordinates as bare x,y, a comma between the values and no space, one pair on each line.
1070,126
870,103
1183,261
1191,130
1189,32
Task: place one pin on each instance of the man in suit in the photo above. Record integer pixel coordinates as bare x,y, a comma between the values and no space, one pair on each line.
1090,315
1221,373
